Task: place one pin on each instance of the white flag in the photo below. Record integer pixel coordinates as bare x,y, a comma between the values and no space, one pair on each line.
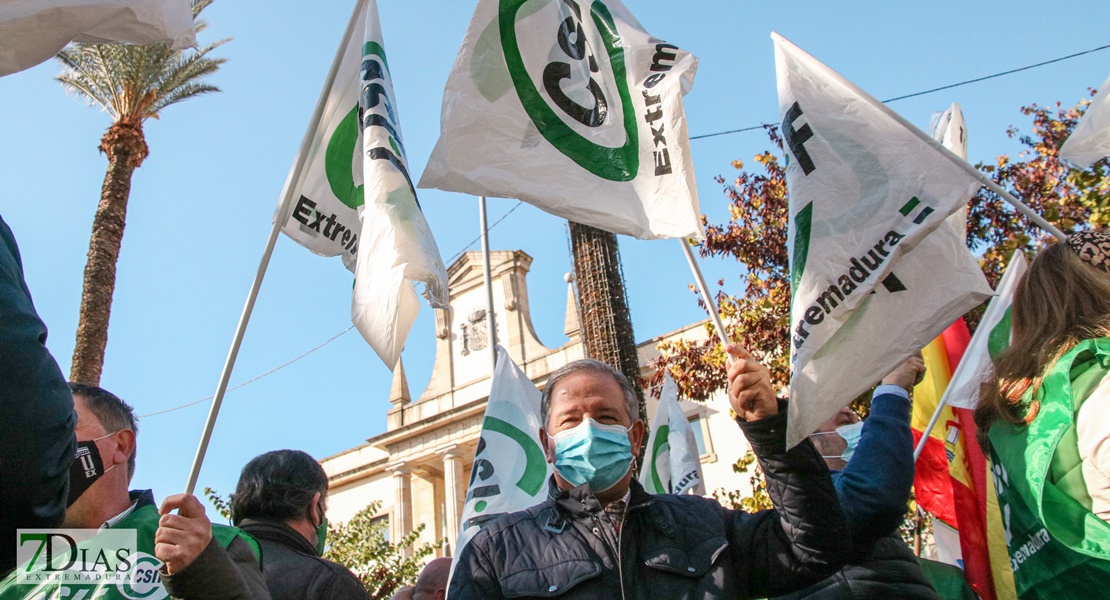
1089,142
574,108
510,470
353,195
673,465
32,31
992,336
866,188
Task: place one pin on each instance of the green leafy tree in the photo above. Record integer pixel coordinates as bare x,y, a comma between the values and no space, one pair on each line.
362,545
131,84
755,236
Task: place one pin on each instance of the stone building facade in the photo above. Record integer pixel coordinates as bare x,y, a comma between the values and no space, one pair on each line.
420,466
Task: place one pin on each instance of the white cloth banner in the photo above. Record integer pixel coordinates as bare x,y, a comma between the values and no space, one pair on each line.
976,367
32,31
865,190
673,465
354,196
1089,142
510,471
574,108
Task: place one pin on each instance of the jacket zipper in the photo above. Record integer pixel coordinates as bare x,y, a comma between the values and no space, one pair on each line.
620,559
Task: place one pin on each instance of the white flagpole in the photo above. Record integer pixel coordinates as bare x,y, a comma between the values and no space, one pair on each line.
710,305
929,429
491,322
962,163
280,217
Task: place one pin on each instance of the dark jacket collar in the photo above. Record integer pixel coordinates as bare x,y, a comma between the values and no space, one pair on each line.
141,498
265,530
580,502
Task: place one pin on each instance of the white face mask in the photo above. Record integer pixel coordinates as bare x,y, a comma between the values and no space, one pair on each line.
851,434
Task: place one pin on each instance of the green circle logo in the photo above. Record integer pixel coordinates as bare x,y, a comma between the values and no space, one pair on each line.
557,114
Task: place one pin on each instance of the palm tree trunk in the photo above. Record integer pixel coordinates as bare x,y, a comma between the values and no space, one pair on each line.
125,153
606,321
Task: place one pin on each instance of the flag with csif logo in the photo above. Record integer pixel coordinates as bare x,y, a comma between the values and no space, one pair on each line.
872,283
510,469
572,107
353,196
673,465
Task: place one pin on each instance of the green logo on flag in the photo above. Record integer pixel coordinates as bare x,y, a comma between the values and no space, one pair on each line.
662,444
339,161
573,55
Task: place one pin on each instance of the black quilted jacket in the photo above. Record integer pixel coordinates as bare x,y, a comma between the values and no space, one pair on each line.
669,546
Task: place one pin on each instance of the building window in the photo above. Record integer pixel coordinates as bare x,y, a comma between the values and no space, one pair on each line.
382,521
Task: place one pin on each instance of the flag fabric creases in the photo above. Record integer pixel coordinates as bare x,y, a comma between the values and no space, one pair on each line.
354,195
673,465
874,275
574,108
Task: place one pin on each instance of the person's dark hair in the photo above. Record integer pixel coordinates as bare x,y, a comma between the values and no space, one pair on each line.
278,486
593,366
114,414
1062,300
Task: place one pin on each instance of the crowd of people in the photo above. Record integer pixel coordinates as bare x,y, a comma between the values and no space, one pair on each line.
70,451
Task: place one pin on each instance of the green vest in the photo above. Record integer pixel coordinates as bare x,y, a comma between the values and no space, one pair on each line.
1058,547
145,582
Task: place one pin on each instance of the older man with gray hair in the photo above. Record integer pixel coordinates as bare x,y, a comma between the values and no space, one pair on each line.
600,535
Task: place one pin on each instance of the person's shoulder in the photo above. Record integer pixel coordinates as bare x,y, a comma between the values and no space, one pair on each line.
507,524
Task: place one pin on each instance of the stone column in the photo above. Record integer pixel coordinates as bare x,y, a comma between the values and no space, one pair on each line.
453,493
401,523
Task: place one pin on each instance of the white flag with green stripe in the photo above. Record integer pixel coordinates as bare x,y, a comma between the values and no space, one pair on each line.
510,469
992,336
865,189
354,196
572,107
673,465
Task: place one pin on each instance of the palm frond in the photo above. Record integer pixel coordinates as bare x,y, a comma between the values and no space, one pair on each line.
135,83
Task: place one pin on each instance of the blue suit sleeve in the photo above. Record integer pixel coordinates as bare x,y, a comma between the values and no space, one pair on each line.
875,486
36,412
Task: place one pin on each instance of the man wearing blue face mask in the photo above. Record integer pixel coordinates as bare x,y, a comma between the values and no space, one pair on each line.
600,535
872,469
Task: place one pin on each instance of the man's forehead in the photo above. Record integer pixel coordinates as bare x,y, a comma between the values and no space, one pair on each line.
587,389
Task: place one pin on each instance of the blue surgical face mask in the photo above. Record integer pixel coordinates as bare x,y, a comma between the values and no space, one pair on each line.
592,453
851,434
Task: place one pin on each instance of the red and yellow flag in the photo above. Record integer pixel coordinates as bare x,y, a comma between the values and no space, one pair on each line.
952,479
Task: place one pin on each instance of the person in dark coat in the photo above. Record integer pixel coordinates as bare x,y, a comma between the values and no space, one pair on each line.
281,500
36,413
872,469
600,535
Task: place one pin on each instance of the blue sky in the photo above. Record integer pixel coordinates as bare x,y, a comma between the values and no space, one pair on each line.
201,204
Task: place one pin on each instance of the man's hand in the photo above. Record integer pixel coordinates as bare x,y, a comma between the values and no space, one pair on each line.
182,537
749,386
908,374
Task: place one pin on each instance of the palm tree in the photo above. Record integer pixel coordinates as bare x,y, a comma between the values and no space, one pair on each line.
131,84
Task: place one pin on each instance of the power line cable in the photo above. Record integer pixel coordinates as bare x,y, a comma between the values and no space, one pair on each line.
922,93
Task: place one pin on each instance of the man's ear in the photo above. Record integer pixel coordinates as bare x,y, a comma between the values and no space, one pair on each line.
125,447
315,517
636,436
548,453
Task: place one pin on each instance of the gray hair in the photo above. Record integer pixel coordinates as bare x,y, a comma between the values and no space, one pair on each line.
593,366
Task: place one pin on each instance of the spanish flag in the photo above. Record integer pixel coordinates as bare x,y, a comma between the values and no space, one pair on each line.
951,480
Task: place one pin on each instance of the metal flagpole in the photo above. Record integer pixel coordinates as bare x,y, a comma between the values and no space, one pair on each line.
929,429
280,217
491,323
962,163
710,305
